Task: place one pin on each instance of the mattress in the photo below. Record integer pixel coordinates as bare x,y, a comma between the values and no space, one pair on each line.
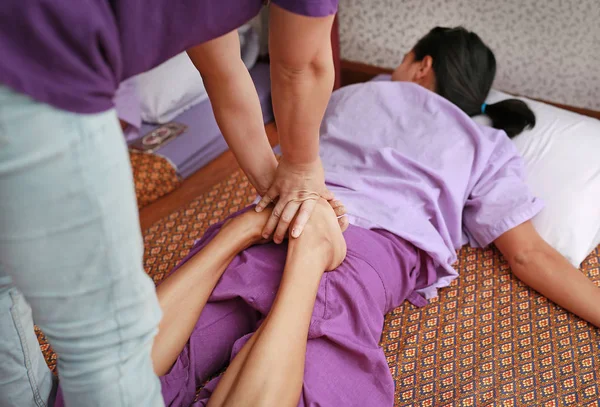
486,340
203,142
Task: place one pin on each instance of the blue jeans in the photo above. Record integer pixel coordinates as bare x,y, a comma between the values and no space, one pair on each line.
71,260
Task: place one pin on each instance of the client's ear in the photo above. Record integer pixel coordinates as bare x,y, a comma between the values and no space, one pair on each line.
425,75
425,67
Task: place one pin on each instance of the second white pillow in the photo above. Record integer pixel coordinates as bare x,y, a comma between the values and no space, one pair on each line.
169,89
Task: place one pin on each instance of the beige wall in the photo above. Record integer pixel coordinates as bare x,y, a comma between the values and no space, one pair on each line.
548,49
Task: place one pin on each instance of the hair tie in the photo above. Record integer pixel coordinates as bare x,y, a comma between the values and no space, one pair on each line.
483,106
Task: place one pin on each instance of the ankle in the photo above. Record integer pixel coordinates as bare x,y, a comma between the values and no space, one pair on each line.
239,230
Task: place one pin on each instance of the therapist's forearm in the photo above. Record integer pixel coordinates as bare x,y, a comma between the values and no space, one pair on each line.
300,97
237,111
236,107
302,76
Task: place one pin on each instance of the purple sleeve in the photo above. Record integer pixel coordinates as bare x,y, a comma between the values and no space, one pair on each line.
310,8
500,200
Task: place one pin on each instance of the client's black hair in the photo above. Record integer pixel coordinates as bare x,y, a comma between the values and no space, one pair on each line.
464,70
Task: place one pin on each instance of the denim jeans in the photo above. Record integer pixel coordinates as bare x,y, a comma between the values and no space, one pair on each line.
71,260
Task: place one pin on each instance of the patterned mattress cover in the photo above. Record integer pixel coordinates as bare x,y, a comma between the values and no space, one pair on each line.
488,340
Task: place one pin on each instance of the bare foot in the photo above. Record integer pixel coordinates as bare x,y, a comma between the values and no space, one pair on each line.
324,233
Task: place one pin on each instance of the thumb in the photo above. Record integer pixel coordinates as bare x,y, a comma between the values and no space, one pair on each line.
267,199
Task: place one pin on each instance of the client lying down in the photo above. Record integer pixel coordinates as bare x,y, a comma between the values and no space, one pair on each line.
419,179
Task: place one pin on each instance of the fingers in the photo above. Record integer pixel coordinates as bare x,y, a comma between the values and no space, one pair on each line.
327,195
338,208
340,213
303,216
344,222
274,219
284,222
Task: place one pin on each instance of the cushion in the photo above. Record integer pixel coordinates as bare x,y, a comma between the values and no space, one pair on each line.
562,155
175,85
169,89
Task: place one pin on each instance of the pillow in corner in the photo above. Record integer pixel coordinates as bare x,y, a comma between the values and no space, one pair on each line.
169,89
174,86
562,155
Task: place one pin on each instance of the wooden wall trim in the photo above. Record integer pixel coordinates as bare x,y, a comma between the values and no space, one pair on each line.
356,72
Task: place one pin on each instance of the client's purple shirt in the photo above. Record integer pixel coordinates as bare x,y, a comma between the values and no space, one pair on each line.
74,54
406,160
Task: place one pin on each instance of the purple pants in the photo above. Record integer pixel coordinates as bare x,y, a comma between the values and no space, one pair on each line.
344,364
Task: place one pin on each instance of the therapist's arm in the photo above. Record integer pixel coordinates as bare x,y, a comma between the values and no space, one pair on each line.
302,77
236,107
542,268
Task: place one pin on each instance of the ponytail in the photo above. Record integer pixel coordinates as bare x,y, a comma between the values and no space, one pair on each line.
511,115
464,69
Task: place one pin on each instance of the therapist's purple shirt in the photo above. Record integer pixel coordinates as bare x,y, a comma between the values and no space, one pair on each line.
74,54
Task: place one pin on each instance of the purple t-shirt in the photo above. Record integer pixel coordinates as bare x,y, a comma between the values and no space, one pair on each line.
406,160
74,54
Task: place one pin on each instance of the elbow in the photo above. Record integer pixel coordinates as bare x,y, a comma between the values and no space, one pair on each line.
233,75
320,67
523,257
536,260
534,254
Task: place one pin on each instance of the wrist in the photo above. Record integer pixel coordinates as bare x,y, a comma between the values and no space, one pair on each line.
301,165
264,175
263,183
300,155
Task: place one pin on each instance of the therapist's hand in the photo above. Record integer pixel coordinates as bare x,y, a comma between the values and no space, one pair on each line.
296,188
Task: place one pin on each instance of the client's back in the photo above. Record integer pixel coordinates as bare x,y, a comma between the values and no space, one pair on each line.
404,159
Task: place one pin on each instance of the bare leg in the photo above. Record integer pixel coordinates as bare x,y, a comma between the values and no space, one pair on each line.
183,295
269,369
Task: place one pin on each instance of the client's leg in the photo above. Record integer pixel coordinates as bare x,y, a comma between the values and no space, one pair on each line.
209,348
344,365
183,295
244,294
269,368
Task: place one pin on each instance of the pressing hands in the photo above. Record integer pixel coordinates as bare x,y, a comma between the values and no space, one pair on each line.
295,192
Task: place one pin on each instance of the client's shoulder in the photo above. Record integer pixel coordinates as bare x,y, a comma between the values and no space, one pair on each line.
398,96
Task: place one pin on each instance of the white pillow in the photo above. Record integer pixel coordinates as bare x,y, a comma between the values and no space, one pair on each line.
169,89
562,154
175,85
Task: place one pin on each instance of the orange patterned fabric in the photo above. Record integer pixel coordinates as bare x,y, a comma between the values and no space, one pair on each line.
153,176
486,341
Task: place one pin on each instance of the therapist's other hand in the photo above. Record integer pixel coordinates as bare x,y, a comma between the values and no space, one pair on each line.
296,188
